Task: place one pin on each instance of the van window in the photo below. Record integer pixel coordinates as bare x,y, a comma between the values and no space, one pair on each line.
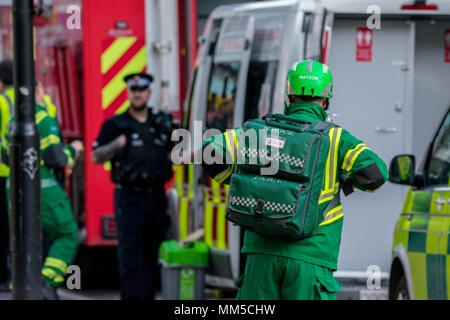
438,172
260,84
221,95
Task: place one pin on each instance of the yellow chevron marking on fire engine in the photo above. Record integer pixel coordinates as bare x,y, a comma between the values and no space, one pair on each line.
117,85
123,107
115,51
184,215
208,223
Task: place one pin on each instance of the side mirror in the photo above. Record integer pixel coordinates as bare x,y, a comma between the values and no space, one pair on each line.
401,170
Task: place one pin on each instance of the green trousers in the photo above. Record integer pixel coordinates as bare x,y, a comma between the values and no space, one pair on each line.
269,277
59,222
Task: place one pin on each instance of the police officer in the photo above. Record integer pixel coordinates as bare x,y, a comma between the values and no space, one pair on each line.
137,143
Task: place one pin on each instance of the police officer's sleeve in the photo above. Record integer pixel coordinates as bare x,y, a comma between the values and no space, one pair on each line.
219,154
358,162
108,132
54,153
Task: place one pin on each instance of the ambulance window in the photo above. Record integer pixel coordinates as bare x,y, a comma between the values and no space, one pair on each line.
260,82
221,95
438,172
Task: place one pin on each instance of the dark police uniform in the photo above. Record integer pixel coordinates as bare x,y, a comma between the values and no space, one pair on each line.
139,171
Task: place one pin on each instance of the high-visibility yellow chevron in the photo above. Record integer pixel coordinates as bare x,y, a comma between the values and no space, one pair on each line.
115,51
117,85
221,227
123,107
208,220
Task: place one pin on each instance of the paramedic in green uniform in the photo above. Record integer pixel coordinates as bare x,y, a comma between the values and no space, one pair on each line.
56,212
303,269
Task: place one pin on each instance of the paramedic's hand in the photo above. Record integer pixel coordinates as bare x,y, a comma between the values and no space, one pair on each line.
78,146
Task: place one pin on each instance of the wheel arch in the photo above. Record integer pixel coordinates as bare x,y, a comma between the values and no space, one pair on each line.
400,266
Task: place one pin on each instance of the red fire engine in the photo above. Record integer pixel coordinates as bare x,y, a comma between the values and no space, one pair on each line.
83,50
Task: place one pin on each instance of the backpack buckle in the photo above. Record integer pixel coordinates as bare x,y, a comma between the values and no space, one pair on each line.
259,209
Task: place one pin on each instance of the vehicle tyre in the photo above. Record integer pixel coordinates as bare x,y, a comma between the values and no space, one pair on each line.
401,290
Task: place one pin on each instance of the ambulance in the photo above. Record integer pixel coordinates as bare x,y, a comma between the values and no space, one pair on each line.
421,248
391,72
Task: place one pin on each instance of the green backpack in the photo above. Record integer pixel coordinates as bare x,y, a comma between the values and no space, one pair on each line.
277,181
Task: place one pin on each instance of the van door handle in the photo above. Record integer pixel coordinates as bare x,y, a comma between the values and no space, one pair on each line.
386,129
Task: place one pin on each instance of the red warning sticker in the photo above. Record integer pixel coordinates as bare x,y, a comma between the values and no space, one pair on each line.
364,41
447,45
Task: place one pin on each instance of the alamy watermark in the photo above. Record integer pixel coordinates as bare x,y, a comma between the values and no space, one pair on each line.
74,277
374,20
373,277
73,21
254,147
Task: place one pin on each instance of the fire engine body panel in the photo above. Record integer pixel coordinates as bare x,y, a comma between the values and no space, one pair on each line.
328,33
83,50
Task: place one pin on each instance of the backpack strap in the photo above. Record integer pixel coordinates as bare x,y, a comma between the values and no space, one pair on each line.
324,126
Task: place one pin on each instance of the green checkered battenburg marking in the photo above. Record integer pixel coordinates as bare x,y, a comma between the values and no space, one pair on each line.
417,240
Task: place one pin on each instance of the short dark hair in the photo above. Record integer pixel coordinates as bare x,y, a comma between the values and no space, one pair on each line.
6,72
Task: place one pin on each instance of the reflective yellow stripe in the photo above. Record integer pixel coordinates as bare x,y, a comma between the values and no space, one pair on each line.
233,132
328,195
229,148
178,173
332,220
333,215
208,223
351,156
329,213
215,186
40,116
221,227
49,140
222,176
57,263
336,156
356,156
51,274
69,157
331,165
184,216
327,170
115,51
117,85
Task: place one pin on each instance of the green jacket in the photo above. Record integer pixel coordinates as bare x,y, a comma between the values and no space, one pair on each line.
54,155
6,109
350,156
7,100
